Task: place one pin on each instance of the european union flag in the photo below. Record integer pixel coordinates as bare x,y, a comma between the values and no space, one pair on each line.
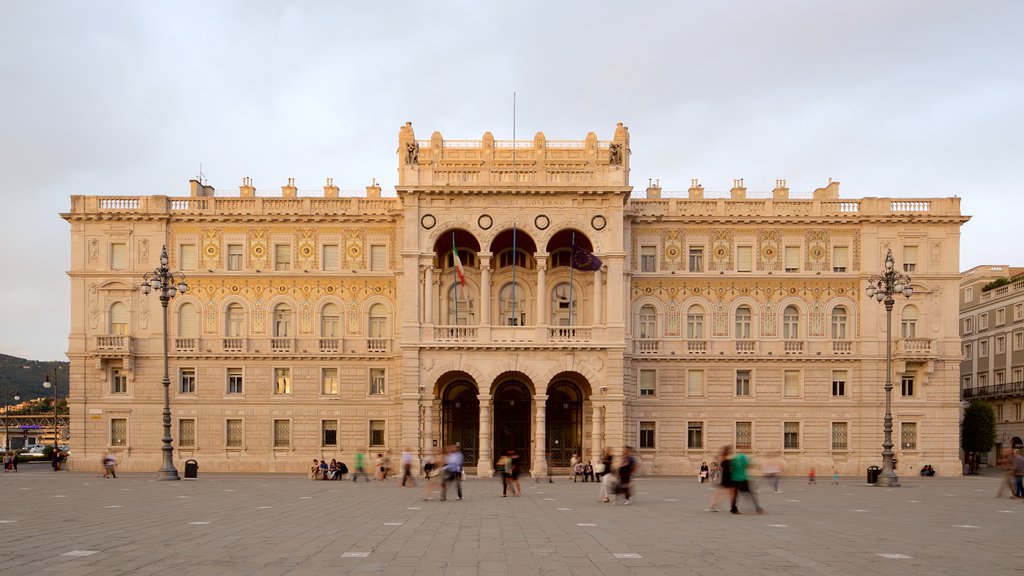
585,261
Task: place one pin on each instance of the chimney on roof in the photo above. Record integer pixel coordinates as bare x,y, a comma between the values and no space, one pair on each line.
829,192
654,189
739,191
373,190
330,190
289,191
198,189
247,190
696,191
781,191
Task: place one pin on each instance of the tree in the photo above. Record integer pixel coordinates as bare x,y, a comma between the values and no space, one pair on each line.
978,430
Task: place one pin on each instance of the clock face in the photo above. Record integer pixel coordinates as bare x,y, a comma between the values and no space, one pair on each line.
541,222
428,221
598,222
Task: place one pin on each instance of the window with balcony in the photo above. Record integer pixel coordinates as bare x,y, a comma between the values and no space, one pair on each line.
563,308
329,261
791,435
839,383
330,321
791,383
118,319
743,383
648,258
282,257
188,320
908,435
840,258
329,381
792,258
282,321
695,383
999,376
646,326
744,435
188,257
378,381
907,386
744,259
839,323
1018,375
377,433
910,258
186,433
462,306
695,323
118,381
647,435
118,431
696,259
236,381
840,436
378,321
908,322
648,382
282,433
328,432
186,380
983,379
512,304
695,435
118,255
282,381
233,433
791,323
743,322
235,258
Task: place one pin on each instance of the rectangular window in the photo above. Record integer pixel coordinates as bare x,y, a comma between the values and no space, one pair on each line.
695,435
907,386
839,383
118,256
744,435
329,432
647,435
840,258
743,258
909,258
235,380
648,258
908,435
791,383
282,257
118,381
999,376
376,432
983,321
378,257
186,380
696,258
968,325
1018,341
378,381
118,431
695,383
968,294
983,379
235,257
1018,375
967,382
1018,312
999,412
1000,344
983,349
743,382
1000,316
792,258
330,258
791,435
329,381
282,433
188,257
968,351
1017,411
648,379
282,380
840,433
233,433
186,432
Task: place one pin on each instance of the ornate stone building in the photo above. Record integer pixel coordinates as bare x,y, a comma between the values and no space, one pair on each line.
581,318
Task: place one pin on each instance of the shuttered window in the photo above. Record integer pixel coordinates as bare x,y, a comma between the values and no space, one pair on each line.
118,256
282,257
188,257
792,258
840,258
743,258
330,259
695,383
188,320
791,383
378,257
909,258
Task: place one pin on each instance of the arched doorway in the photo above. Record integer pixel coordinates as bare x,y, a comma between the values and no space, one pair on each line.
1017,445
460,418
564,418
512,420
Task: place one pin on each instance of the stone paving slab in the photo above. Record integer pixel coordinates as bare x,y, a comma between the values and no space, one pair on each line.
79,524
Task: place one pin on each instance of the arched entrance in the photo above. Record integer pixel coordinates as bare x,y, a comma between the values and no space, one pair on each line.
1017,445
460,418
564,418
512,420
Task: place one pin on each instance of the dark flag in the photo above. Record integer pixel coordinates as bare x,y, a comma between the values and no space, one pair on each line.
585,261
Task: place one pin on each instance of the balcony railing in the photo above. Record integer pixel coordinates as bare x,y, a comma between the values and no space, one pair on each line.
378,345
697,346
842,347
793,346
282,344
330,345
914,346
455,333
234,344
186,344
746,347
995,390
569,334
119,344
646,346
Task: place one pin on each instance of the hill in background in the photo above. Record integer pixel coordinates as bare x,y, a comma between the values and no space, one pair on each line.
26,378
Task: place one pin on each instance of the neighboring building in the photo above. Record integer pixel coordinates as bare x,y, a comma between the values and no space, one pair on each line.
992,330
321,326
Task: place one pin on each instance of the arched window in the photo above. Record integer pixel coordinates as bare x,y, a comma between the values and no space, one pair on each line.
791,323
646,326
563,312
521,257
188,320
118,319
234,325
695,323
512,305
560,258
743,323
839,323
463,312
466,256
330,321
282,321
378,321
908,325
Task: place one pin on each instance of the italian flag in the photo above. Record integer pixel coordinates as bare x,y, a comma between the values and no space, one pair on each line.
459,271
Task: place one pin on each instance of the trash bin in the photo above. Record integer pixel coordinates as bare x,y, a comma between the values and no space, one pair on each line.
192,470
873,472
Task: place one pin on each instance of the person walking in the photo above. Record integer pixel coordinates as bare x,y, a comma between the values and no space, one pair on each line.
772,468
109,463
626,469
360,464
723,487
738,473
607,477
452,472
1017,467
505,468
1005,460
811,476
515,466
572,467
407,468
432,470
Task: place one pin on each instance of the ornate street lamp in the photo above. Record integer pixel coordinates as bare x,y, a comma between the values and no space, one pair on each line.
167,284
882,288
47,385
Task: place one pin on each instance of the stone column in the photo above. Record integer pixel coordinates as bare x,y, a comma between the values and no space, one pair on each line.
542,288
428,428
428,306
540,434
485,289
596,446
598,299
485,465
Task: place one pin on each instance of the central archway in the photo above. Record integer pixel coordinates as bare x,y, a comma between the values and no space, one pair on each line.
564,417
460,418
512,403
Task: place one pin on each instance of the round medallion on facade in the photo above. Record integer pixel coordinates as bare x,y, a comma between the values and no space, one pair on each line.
258,250
428,221
235,288
817,252
329,289
598,222
484,221
541,222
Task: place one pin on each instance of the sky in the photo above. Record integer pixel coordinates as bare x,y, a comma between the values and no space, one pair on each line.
901,99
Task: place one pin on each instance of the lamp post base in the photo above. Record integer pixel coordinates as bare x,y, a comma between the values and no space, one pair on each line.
171,474
888,481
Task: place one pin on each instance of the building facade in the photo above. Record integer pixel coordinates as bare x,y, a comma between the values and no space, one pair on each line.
992,329
514,295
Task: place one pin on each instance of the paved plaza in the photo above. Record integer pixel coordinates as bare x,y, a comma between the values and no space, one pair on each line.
72,524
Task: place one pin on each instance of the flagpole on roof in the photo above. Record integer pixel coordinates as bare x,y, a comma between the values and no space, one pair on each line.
572,260
455,279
